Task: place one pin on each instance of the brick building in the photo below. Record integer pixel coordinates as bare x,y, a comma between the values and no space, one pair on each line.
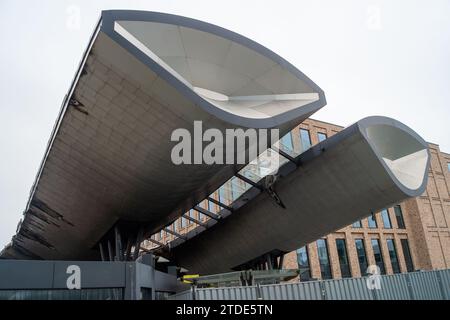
410,236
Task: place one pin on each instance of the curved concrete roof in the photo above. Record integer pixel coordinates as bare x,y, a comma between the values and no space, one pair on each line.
373,164
145,74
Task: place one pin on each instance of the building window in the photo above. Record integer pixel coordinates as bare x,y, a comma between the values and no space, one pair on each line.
378,255
303,263
357,224
321,136
448,166
343,258
393,255
286,143
191,215
407,255
372,221
237,188
183,222
221,194
305,140
212,207
399,217
324,260
386,219
362,258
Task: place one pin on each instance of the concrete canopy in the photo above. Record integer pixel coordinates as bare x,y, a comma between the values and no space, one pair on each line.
144,75
373,164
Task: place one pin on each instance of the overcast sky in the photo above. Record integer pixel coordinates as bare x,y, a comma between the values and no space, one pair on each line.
373,57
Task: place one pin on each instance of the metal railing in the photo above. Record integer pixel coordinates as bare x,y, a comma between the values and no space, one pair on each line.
423,285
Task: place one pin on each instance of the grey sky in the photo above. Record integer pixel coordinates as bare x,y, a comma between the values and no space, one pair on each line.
370,57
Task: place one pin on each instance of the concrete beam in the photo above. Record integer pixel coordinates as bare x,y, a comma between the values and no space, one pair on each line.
375,163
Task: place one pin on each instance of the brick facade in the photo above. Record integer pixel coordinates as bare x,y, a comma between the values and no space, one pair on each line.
426,218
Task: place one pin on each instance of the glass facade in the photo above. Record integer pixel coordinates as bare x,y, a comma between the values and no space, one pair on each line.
343,258
393,256
303,263
321,136
372,221
305,140
378,255
399,217
362,258
357,224
324,260
407,254
386,219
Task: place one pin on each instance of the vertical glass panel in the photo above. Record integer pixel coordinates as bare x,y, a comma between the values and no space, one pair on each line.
305,140
393,255
357,224
286,143
378,255
386,219
343,258
321,136
191,214
399,217
211,206
407,254
372,221
362,258
232,190
303,263
266,163
183,222
324,261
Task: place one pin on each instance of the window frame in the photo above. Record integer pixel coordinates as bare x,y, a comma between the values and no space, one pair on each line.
385,217
348,271
360,264
394,250
308,272
382,262
409,262
399,215
290,140
358,226
321,134
325,274
309,142
373,218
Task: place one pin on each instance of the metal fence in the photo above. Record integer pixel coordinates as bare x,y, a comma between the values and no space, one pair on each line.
424,285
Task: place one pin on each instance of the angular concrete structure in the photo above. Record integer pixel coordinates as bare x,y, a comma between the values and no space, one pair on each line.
373,164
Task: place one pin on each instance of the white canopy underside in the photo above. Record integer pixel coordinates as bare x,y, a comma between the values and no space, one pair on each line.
228,75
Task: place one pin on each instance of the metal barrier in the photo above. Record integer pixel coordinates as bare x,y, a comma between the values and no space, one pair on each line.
424,285
85,280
